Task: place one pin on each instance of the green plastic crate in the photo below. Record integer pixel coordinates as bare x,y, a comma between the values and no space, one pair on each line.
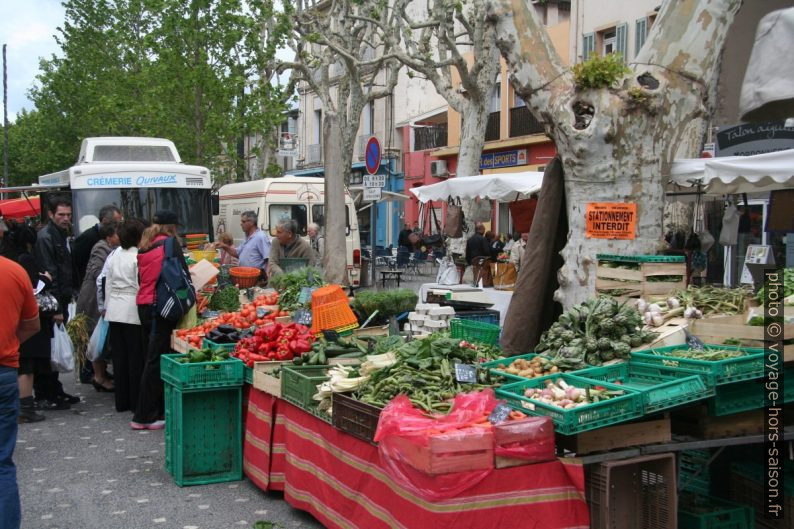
290,264
474,331
744,396
299,383
659,385
493,367
200,375
641,258
692,476
203,435
747,367
582,419
205,343
248,374
696,511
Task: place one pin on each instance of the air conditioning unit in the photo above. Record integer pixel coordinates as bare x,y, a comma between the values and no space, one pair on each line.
438,168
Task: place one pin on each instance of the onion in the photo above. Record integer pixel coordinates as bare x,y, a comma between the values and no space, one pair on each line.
673,303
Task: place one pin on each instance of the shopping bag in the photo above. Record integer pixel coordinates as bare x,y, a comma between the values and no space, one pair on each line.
96,345
455,222
62,356
447,272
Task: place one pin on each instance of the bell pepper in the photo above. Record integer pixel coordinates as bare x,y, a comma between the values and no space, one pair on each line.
283,353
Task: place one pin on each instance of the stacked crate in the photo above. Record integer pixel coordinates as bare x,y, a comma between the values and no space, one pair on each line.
428,318
203,420
640,276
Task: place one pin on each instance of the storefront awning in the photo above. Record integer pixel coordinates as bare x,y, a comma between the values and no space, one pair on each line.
503,187
737,174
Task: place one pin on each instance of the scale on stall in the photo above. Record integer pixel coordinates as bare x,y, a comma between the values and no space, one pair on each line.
757,258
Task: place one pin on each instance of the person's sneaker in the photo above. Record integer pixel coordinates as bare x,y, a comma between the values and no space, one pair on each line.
71,399
53,405
156,425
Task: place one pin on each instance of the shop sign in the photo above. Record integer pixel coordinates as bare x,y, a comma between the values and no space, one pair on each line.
611,220
495,160
755,138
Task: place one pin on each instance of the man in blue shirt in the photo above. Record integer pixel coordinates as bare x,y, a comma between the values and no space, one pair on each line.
255,249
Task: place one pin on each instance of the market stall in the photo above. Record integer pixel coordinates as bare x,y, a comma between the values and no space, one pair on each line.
760,173
434,426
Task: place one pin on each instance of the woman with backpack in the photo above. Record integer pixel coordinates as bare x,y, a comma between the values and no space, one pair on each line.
150,409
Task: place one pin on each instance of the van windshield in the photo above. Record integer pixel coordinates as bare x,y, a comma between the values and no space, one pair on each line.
190,205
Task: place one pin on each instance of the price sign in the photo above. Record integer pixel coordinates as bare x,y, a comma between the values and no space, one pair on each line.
465,373
499,413
261,312
306,294
331,336
210,314
302,316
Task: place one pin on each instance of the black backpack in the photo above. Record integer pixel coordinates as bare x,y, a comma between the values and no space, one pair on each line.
174,293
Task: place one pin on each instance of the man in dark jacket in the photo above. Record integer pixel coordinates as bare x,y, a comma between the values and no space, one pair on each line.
84,243
54,255
477,246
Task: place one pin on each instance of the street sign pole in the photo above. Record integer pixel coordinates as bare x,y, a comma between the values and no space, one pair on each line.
372,157
372,219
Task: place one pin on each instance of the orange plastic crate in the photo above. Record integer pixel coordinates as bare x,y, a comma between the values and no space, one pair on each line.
333,316
328,294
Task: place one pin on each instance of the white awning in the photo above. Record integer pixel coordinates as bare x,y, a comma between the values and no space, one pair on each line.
504,187
737,174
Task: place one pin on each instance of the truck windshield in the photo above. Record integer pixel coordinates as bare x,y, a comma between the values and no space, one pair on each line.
190,205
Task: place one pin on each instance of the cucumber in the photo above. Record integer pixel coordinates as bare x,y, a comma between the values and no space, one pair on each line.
356,354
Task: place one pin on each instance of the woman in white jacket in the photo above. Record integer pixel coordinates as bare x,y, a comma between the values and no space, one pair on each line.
126,340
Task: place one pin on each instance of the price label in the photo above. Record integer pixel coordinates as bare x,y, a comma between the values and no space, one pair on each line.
331,336
302,316
210,314
499,413
465,373
306,294
261,312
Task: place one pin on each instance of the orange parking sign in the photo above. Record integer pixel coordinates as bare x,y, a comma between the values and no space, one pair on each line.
611,220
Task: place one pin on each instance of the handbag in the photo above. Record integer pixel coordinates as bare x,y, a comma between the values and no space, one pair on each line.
523,211
455,221
47,303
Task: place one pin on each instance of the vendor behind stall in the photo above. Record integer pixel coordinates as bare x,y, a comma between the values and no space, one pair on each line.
287,245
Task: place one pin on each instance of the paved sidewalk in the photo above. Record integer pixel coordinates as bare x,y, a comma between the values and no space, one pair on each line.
86,469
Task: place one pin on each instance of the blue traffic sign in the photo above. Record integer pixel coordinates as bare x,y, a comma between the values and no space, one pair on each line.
372,155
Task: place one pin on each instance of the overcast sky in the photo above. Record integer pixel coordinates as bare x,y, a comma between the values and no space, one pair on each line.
27,28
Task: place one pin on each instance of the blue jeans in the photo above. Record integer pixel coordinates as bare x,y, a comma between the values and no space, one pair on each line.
10,510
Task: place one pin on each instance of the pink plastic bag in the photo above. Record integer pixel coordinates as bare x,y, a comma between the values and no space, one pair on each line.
439,456
530,440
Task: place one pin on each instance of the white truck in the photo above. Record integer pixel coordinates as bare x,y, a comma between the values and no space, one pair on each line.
290,197
139,176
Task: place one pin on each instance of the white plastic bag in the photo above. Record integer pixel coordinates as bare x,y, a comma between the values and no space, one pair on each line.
96,345
62,359
447,272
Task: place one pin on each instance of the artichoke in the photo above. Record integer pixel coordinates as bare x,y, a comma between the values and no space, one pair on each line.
622,350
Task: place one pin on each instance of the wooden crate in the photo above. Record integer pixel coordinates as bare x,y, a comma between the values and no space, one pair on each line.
717,329
696,421
637,281
264,380
383,330
179,345
618,436
449,452
671,333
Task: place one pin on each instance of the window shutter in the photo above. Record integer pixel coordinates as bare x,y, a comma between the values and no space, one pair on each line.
621,38
588,45
640,32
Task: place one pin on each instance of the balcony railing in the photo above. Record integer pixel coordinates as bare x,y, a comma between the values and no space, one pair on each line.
492,127
522,122
430,137
314,153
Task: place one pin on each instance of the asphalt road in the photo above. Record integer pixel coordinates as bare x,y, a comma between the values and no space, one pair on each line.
86,469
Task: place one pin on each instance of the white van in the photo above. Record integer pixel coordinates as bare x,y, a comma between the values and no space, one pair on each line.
289,197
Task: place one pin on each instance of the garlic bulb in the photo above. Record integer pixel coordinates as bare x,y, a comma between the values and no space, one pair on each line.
673,303
658,319
653,307
642,306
